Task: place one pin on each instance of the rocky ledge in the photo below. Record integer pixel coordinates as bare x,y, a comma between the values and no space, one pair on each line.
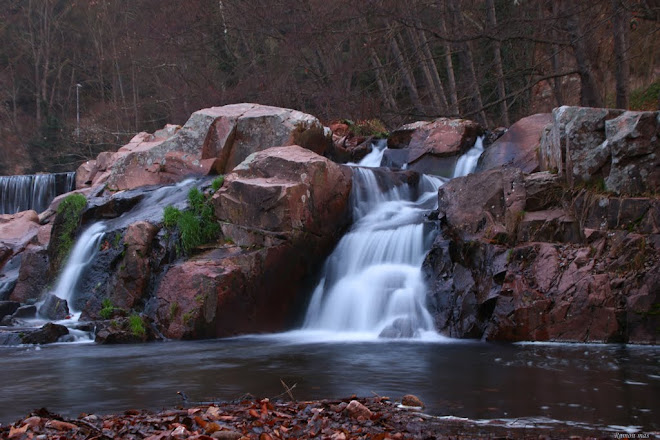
568,254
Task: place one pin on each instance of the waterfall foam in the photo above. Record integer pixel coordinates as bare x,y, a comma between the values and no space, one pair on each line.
20,193
375,156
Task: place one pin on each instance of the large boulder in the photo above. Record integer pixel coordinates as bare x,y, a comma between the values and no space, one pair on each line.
287,190
282,211
431,147
609,150
215,139
518,147
576,129
634,145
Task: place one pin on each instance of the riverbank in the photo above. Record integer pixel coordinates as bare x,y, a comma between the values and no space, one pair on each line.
252,418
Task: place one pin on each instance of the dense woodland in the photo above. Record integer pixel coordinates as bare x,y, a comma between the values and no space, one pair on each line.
81,76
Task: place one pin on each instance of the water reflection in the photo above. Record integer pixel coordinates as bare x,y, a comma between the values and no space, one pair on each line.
598,385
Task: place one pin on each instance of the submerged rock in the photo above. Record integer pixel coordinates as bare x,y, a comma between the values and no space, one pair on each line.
412,400
26,312
400,328
47,334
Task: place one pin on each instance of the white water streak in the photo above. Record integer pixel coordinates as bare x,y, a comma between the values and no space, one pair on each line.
83,253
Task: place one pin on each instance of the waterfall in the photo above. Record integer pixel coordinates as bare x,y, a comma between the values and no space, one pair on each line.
468,161
372,283
20,193
84,251
374,158
149,208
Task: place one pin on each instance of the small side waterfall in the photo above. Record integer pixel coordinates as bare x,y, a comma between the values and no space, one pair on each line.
375,157
20,193
84,251
150,208
468,161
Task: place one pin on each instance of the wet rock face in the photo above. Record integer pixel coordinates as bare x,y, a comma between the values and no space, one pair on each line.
522,258
7,308
431,147
33,275
54,308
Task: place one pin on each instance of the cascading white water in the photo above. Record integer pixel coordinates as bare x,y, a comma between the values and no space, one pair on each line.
468,162
86,248
20,193
375,156
373,279
372,282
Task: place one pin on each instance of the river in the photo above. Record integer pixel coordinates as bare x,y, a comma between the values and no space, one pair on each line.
597,385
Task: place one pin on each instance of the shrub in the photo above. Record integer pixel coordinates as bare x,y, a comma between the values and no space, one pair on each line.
217,183
136,324
108,309
197,225
170,216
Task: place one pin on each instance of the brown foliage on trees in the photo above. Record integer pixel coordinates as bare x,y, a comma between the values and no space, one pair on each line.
143,63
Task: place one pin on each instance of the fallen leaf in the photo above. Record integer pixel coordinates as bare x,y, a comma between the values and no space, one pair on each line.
212,427
61,426
200,421
13,432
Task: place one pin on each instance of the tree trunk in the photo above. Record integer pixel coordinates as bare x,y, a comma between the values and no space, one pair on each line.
620,32
381,80
426,50
428,78
497,55
589,96
556,82
449,65
408,79
467,62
